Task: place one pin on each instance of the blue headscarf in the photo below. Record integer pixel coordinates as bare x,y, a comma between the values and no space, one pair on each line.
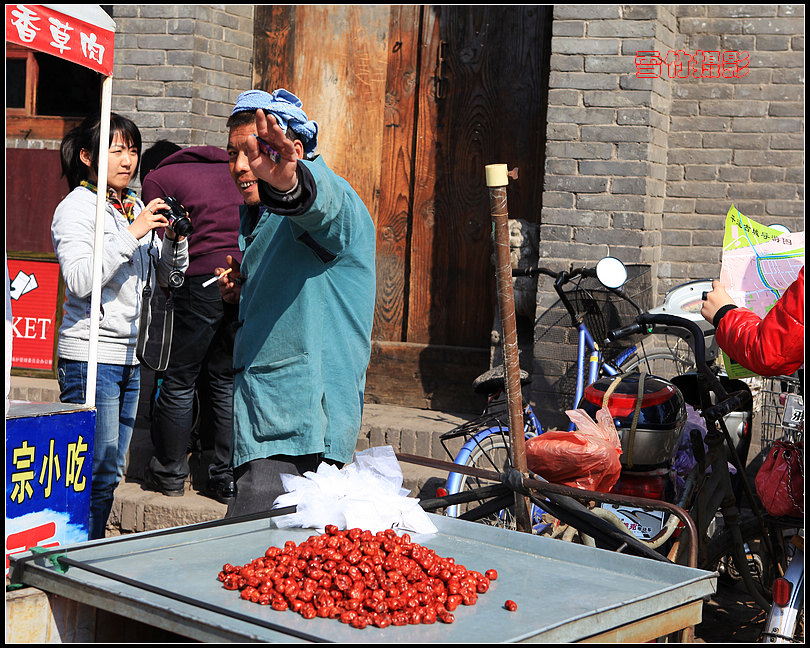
286,108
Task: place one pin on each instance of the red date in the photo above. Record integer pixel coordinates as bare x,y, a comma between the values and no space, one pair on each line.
361,579
510,605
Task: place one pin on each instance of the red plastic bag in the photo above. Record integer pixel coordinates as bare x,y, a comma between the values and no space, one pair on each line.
586,458
780,480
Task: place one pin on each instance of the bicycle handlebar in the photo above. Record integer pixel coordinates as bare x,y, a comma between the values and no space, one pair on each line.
692,334
562,277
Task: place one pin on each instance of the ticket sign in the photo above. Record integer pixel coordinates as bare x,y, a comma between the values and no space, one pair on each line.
36,312
49,461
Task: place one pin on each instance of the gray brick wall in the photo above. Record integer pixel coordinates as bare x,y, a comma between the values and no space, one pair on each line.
179,68
645,169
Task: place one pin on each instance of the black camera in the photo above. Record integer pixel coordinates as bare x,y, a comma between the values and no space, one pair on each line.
177,217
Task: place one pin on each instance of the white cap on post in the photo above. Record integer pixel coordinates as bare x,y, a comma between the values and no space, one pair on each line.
497,175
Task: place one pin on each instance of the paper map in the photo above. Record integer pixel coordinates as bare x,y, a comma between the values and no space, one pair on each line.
759,263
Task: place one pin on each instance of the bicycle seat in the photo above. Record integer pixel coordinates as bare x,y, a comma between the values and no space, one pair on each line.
494,380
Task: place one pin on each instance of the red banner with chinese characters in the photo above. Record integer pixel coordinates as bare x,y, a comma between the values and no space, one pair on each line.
34,291
47,30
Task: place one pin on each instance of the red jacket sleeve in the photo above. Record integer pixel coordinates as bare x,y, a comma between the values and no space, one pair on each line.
771,346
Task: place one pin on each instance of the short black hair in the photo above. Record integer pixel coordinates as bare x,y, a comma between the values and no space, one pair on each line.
155,154
86,137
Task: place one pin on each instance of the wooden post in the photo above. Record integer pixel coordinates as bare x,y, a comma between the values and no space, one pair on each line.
497,180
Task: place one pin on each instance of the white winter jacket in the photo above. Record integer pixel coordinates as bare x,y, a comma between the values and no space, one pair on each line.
124,272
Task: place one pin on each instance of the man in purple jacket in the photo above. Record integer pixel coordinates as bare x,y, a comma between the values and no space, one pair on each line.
202,340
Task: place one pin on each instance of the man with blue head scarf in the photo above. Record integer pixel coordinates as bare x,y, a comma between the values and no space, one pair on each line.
305,295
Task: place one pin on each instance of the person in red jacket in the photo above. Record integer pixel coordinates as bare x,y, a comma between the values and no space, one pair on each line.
771,346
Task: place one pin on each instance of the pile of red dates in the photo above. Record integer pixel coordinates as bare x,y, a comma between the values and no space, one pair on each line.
360,578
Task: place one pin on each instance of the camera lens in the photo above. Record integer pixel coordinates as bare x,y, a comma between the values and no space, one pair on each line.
176,279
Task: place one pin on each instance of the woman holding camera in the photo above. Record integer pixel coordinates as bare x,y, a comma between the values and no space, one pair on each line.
130,246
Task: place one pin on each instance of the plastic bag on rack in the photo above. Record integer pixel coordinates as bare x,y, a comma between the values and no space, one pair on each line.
586,458
365,494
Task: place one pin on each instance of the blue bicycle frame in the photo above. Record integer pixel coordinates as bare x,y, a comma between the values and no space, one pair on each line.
532,426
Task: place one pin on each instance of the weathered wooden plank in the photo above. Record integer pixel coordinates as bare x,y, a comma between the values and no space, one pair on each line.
425,376
341,57
273,46
393,216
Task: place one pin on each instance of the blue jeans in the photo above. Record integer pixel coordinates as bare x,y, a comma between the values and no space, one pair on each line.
117,390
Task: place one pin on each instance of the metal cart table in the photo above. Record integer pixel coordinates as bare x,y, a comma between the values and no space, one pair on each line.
564,592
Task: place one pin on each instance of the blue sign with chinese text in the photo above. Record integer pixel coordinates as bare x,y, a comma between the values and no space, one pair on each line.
49,462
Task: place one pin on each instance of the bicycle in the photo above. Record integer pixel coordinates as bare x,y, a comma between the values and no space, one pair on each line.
752,542
486,438
783,418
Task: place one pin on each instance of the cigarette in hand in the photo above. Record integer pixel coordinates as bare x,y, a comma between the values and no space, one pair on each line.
265,148
215,277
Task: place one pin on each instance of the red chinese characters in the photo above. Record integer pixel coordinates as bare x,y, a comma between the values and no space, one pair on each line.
47,30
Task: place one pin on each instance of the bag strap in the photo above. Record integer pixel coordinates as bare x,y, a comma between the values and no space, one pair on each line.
636,413
143,328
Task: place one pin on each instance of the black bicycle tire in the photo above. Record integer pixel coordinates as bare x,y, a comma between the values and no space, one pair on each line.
720,546
491,442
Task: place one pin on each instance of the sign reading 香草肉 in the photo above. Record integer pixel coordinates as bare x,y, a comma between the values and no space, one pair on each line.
45,29
49,461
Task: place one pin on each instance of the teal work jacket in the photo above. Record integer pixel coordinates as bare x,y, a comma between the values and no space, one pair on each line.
306,311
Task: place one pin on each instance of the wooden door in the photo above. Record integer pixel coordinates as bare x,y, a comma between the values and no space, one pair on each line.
413,102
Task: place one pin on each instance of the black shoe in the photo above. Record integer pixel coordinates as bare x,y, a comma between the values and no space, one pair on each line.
151,483
223,491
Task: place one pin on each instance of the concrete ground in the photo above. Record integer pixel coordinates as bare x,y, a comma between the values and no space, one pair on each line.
135,509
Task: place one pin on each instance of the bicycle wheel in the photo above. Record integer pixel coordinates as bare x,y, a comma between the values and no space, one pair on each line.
764,568
665,356
490,453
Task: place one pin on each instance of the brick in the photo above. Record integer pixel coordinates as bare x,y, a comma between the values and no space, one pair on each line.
576,184
616,133
735,141
756,191
614,167
558,199
579,150
620,29
559,166
611,203
793,208
767,174
610,64
585,12
700,172
566,63
563,97
583,81
760,26
562,131
695,189
733,108
692,156
616,99
568,28
580,115
629,186
556,233
769,158
639,12
784,141
554,216
733,174
773,43
710,26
